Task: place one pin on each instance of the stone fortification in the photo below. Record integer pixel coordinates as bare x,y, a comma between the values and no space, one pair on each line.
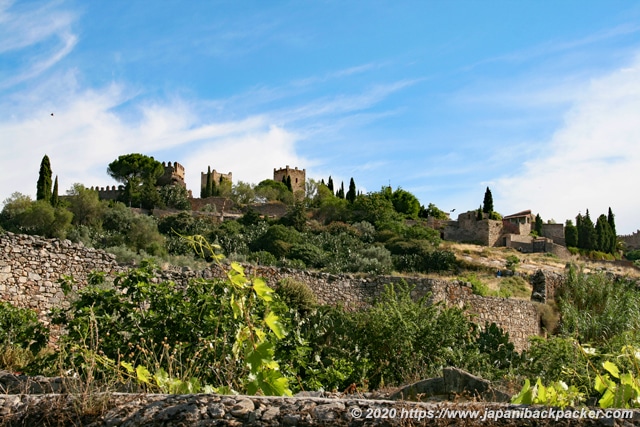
631,241
468,229
31,266
298,177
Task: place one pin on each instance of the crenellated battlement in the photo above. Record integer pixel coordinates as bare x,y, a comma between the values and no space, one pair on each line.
109,193
173,174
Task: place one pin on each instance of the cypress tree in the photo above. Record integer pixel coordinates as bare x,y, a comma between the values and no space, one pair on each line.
351,194
43,190
479,216
54,194
603,234
487,204
613,244
340,192
330,184
322,182
538,225
586,232
288,183
570,234
208,190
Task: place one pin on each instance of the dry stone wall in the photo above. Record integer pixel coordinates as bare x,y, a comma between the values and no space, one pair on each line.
31,266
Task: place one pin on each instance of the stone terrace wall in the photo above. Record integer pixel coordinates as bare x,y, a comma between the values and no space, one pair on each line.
30,267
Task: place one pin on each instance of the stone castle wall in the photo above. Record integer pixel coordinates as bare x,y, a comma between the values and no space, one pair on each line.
31,266
631,241
468,229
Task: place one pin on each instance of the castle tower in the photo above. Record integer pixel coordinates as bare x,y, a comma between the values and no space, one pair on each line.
298,177
173,174
216,177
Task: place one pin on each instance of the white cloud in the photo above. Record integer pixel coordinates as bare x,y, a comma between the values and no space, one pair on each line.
86,133
591,162
44,27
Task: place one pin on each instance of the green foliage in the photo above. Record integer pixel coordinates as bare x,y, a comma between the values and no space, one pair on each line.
405,203
243,193
311,255
85,206
478,287
43,187
227,327
487,203
557,394
633,255
495,216
514,286
133,170
20,327
432,211
42,219
297,295
553,359
375,208
278,240
351,194
174,197
404,338
538,225
55,199
512,262
272,190
596,308
296,217
570,234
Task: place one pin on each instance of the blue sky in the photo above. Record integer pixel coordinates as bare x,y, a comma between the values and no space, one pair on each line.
539,100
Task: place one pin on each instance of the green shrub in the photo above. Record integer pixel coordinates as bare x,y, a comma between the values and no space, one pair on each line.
595,307
20,327
477,286
311,255
514,286
262,258
512,262
297,295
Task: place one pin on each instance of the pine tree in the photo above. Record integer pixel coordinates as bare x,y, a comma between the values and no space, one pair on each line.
330,184
43,189
487,204
54,194
351,194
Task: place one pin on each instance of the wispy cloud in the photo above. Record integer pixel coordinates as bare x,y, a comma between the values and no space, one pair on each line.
45,27
591,161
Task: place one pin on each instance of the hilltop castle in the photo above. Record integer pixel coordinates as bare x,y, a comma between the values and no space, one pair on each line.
174,174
